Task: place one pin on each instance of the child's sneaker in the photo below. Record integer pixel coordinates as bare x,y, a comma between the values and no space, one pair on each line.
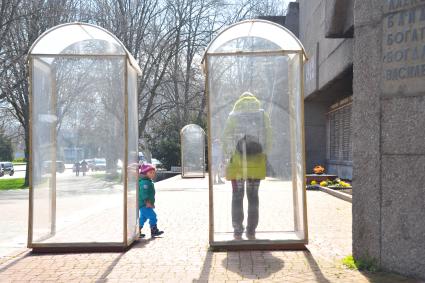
155,231
141,235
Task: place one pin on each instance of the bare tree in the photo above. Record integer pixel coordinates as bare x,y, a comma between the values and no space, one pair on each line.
8,14
145,30
166,37
35,17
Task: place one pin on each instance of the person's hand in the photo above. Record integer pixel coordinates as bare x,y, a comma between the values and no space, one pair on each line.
148,204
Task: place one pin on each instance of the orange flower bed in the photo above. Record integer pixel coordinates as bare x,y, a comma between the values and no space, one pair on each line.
318,169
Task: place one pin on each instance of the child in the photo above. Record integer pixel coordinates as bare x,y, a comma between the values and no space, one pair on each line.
147,199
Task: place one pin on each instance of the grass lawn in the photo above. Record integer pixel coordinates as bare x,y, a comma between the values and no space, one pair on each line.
12,184
107,177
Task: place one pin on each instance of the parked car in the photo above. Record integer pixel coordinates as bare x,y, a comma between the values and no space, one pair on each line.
158,164
99,164
6,168
47,166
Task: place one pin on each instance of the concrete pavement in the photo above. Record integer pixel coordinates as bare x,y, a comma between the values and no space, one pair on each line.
182,254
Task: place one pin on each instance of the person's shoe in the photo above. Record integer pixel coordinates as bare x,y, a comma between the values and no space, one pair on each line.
141,235
237,236
155,231
250,235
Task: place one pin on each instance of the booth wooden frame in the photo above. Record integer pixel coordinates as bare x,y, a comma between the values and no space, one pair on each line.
123,245
257,244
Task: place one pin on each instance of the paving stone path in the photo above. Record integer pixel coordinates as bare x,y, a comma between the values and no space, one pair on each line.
182,254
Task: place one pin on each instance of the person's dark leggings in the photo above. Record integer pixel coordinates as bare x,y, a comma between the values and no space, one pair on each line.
237,205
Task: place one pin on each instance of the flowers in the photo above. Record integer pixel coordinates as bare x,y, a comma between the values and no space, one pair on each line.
335,184
319,169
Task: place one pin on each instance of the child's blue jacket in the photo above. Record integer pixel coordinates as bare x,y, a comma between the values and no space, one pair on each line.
146,191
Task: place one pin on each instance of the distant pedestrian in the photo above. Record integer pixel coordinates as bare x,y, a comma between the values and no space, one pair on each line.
84,167
147,199
77,168
217,162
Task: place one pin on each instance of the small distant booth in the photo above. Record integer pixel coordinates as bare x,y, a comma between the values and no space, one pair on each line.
192,138
254,85
83,141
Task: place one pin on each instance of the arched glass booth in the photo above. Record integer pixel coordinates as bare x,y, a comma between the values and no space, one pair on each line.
83,141
254,83
192,139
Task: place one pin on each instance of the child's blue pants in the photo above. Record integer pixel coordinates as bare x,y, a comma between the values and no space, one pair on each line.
145,214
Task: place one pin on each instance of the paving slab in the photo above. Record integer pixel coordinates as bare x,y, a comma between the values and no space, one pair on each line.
182,254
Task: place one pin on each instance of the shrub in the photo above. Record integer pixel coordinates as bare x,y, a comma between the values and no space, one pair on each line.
367,263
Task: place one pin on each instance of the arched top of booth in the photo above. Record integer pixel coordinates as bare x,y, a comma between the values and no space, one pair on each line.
269,37
80,39
192,128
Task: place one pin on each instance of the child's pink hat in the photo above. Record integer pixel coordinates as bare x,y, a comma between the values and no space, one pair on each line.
145,168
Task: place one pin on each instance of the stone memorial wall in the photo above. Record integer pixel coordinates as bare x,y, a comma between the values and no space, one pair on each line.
389,134
403,47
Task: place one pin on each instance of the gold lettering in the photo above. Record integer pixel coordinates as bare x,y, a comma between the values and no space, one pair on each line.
401,18
392,5
422,14
415,53
412,16
414,35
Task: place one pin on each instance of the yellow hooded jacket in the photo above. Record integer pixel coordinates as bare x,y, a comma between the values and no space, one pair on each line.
243,166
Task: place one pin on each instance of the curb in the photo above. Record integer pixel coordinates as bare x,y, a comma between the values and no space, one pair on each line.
337,194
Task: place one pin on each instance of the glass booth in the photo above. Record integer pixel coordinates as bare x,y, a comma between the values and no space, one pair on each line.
254,83
83,141
192,138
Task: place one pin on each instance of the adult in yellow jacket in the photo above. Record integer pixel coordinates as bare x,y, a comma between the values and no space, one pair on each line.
246,142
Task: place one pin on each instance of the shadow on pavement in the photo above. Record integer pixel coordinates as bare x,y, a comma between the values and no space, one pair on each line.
141,243
103,277
253,265
315,268
206,268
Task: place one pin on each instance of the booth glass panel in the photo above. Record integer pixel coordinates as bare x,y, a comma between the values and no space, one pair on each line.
193,151
86,126
256,139
43,149
132,168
